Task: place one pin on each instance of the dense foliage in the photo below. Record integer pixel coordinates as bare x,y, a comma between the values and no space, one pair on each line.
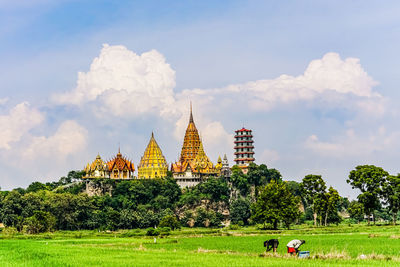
258,196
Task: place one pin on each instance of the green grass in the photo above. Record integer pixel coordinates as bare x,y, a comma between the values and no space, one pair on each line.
203,247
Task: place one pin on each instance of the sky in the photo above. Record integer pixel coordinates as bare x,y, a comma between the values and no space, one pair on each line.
316,81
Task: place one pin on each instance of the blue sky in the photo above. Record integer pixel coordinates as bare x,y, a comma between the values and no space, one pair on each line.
203,48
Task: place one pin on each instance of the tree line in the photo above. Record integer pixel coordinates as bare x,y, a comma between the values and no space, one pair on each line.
258,197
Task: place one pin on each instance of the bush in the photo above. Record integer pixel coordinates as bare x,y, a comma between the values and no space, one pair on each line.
207,218
234,227
10,231
170,221
165,231
152,232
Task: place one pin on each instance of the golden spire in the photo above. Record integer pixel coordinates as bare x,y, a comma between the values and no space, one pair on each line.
153,163
191,141
191,114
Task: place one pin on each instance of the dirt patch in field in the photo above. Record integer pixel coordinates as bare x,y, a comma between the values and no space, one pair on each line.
203,250
322,256
231,252
333,254
374,256
374,235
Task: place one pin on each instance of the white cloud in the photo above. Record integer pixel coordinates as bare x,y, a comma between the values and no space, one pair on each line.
123,83
215,136
69,139
321,78
3,100
20,120
351,144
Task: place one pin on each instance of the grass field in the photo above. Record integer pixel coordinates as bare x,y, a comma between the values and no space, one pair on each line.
331,246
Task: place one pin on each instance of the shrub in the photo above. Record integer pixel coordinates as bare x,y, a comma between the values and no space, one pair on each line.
170,221
234,227
10,231
164,231
152,232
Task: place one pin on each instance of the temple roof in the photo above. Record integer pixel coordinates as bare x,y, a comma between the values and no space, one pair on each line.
243,130
202,163
153,155
97,164
121,163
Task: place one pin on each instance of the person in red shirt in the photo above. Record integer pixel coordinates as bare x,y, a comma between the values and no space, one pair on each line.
294,245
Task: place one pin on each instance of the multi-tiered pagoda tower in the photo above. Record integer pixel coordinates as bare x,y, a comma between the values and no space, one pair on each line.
153,163
193,165
244,153
191,141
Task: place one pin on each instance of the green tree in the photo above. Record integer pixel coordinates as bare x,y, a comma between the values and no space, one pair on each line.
260,175
240,211
343,204
369,180
36,186
332,200
274,204
356,211
239,180
11,210
170,221
207,218
215,189
391,195
41,221
313,189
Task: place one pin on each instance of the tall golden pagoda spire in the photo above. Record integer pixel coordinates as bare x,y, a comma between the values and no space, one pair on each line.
191,142
153,163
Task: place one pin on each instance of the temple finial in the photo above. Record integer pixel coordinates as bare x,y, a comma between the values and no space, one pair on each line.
152,134
191,115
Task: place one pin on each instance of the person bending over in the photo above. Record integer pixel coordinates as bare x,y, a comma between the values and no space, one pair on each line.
271,244
294,245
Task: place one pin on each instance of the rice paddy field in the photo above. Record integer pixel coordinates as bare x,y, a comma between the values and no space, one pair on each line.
330,246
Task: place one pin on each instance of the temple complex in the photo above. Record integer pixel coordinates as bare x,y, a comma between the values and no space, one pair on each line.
153,163
120,167
193,165
97,169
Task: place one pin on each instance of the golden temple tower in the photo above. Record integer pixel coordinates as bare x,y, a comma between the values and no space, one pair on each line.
191,142
202,164
153,163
